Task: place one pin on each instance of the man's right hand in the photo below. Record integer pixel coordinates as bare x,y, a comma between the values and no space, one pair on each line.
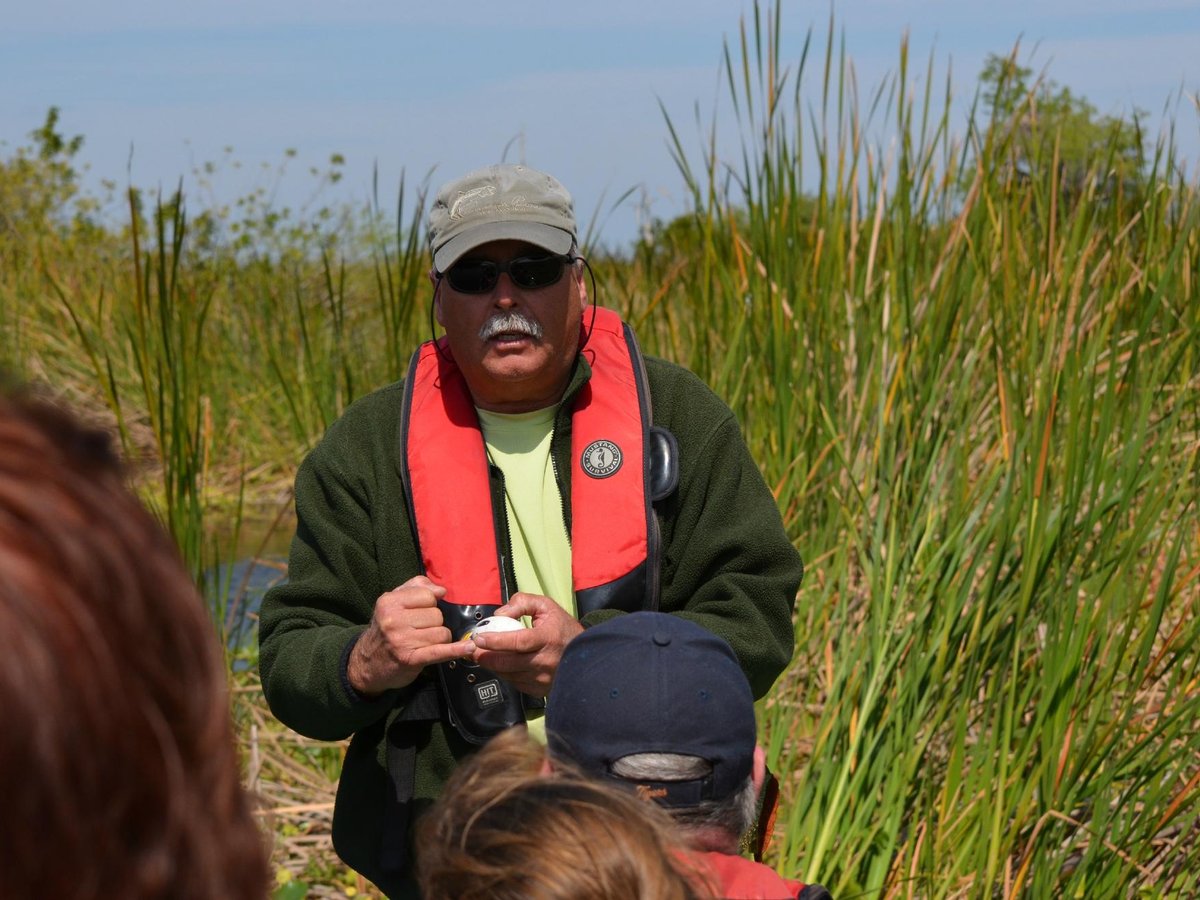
406,634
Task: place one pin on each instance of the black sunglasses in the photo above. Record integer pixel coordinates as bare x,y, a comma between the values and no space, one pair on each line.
478,276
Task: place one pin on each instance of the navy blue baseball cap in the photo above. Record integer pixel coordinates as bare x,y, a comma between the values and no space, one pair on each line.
649,682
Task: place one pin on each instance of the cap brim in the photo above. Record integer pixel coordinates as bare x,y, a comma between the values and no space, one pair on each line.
556,240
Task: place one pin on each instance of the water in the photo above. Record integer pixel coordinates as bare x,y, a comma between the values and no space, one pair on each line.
242,584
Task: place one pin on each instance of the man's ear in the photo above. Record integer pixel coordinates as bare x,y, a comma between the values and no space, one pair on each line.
436,281
547,767
759,769
581,280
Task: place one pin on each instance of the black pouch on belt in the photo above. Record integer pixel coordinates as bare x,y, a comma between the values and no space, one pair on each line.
479,703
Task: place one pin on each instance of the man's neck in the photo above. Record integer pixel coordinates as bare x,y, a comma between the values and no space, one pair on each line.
712,840
517,406
506,401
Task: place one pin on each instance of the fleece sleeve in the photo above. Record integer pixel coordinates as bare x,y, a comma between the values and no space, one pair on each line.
352,543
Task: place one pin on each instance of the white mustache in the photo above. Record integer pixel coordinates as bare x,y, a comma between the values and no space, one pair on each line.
510,323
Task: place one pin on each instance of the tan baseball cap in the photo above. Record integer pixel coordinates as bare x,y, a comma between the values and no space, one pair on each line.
501,202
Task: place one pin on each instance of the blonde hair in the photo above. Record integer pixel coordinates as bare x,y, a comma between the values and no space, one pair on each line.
117,767
503,830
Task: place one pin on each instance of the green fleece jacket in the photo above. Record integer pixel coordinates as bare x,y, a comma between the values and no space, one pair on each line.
726,564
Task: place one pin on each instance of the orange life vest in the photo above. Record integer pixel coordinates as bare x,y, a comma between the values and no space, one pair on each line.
447,471
458,520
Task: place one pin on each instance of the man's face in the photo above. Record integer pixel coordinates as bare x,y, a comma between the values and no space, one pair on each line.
506,368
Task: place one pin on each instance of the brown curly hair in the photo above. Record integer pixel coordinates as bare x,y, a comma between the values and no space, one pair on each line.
117,763
505,830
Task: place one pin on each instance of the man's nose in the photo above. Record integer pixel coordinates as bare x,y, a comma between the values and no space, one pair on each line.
504,294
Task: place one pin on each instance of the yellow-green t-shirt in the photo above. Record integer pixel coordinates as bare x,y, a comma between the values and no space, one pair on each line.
519,444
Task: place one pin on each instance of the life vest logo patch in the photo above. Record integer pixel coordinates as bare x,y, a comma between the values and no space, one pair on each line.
601,459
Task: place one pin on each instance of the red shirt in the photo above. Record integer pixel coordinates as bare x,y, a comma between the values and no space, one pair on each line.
743,879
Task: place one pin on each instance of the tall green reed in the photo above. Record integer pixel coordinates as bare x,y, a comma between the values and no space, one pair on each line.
153,354
975,396
221,350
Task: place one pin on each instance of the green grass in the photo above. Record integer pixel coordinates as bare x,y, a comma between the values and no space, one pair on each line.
976,397
973,392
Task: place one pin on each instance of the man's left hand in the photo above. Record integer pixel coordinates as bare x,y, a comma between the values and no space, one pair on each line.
528,659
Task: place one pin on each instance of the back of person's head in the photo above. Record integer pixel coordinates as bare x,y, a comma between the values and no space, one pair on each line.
660,705
118,770
505,830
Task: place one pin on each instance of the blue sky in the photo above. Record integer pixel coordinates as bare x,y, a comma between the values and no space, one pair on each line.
157,89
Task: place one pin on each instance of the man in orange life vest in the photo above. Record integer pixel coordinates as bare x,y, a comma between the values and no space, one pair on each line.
531,461
659,705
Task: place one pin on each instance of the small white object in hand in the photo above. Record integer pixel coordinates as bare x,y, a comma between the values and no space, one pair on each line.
494,623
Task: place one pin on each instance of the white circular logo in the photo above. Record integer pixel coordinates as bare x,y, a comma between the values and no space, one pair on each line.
601,459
